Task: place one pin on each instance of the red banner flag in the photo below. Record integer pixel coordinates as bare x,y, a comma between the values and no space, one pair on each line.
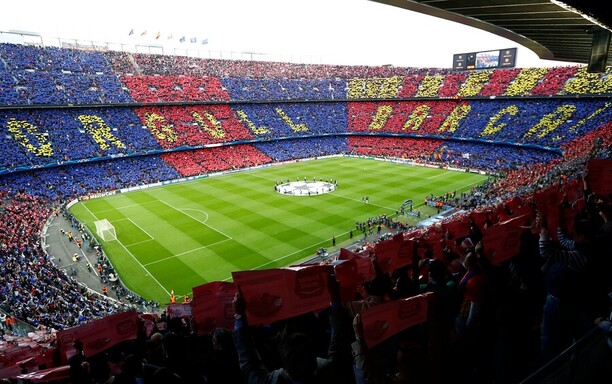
526,213
434,242
14,358
100,334
573,191
348,278
521,219
387,254
55,375
406,252
276,294
345,254
363,263
212,306
11,354
181,310
457,228
502,241
515,203
600,176
385,320
479,218
548,202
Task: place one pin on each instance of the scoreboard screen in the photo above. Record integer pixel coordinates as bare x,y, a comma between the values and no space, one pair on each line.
502,58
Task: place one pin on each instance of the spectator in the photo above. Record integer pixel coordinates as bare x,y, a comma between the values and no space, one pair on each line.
468,322
375,291
164,375
300,363
223,367
564,314
79,366
441,318
411,361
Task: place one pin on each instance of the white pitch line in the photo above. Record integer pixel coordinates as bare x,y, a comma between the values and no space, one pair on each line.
90,212
438,175
142,229
198,210
133,257
186,214
143,267
126,206
140,242
263,177
187,252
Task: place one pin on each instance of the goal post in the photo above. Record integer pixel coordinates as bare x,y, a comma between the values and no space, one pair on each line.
105,230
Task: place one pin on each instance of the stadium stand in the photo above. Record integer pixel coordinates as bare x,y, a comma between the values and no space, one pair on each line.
78,123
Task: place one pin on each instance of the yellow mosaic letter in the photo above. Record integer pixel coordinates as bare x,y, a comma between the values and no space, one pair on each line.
551,121
290,123
99,131
17,128
164,131
381,117
452,121
242,116
217,131
417,117
491,127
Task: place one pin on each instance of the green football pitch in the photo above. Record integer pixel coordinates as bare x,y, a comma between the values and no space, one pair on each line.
175,237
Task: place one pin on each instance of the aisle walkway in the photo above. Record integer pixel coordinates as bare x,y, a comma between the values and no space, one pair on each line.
84,270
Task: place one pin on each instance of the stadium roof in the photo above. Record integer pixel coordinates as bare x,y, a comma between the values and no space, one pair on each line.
550,29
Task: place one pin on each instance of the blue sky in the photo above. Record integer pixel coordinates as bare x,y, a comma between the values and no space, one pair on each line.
314,31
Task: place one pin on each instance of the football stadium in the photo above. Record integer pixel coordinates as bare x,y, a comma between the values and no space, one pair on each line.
170,218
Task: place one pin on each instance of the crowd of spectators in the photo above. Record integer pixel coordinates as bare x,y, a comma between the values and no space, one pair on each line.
293,149
37,75
549,123
44,137
41,137
61,184
178,126
479,307
49,75
490,157
529,180
456,154
50,137
152,89
218,159
147,64
487,321
279,89
31,287
300,119
394,147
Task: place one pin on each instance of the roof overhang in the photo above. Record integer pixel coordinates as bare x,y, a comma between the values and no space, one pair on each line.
552,29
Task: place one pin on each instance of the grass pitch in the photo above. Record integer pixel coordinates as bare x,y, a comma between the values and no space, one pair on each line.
175,237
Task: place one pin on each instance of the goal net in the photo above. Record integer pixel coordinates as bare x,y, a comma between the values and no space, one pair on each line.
105,230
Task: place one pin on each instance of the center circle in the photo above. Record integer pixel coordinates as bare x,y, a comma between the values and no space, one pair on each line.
305,188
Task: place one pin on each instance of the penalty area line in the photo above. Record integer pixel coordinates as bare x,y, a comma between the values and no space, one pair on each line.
187,252
199,221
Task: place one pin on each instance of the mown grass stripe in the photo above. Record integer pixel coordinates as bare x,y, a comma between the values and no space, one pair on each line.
207,228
